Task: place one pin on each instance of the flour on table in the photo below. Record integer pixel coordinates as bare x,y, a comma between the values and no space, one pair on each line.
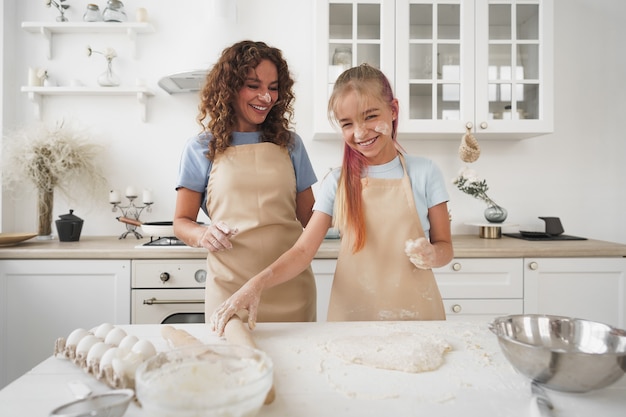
406,352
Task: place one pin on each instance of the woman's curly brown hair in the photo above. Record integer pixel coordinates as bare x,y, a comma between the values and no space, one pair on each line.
223,82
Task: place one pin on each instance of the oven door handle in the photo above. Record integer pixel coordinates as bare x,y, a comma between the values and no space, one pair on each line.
154,300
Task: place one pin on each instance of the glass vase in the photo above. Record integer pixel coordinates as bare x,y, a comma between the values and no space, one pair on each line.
45,202
495,214
108,77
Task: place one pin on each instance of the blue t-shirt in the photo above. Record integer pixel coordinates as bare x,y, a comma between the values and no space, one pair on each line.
427,182
195,167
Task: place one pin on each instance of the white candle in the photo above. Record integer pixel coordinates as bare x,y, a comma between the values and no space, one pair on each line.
131,192
114,197
147,197
141,14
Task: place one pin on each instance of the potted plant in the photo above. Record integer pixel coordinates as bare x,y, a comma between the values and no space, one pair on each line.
59,157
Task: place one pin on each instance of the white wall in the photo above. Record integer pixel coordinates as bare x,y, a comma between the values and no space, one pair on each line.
577,173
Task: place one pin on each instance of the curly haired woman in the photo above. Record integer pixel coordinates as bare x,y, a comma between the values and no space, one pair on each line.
252,176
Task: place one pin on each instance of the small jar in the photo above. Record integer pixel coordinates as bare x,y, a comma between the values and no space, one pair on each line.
114,12
343,57
92,14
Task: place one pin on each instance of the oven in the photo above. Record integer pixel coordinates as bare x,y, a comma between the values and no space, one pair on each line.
168,291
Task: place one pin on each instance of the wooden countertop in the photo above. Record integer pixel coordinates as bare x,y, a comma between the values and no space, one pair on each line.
465,246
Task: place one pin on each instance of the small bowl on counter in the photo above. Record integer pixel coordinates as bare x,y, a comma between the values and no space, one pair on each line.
562,353
206,380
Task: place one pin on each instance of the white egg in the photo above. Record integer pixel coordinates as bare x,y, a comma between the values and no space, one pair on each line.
115,336
102,330
108,356
94,356
144,348
105,368
124,368
75,337
85,344
127,343
96,352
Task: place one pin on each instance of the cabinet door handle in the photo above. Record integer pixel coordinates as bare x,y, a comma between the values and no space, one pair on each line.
456,308
484,125
533,266
153,300
456,266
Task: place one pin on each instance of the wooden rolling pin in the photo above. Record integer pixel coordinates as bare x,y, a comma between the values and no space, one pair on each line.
236,333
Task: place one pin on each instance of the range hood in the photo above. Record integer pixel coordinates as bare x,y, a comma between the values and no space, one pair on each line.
183,82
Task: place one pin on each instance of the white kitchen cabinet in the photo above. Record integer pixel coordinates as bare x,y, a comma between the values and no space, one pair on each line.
469,287
450,62
42,300
485,287
324,271
588,288
349,33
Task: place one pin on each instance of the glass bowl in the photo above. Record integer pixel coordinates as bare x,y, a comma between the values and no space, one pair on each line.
204,381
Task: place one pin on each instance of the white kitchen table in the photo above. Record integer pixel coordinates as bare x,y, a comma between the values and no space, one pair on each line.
474,380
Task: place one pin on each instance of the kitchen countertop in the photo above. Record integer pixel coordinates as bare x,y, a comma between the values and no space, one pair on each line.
311,380
465,246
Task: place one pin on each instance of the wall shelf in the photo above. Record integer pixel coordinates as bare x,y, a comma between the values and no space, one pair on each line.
35,95
48,29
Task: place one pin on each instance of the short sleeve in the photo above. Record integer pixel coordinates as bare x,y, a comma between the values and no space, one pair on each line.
193,170
326,193
305,175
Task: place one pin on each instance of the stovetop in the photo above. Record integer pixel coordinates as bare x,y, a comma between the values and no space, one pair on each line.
163,242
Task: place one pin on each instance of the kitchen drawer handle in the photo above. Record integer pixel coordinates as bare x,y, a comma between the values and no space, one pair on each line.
153,300
533,266
456,308
456,266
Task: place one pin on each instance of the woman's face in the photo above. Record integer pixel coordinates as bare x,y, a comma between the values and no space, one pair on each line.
257,96
367,128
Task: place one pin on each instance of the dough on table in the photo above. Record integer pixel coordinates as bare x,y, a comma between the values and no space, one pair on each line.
406,352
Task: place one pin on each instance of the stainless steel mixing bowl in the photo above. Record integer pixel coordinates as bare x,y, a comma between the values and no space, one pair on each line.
562,353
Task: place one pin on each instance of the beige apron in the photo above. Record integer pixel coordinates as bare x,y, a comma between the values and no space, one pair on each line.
379,282
253,188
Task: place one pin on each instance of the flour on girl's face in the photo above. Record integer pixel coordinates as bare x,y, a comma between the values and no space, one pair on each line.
383,128
360,132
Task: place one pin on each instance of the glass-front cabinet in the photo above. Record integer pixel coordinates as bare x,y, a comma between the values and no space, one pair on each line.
349,33
454,64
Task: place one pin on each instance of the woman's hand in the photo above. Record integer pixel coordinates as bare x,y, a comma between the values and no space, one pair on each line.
246,298
421,253
216,237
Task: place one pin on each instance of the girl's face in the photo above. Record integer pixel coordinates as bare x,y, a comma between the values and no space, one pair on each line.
367,129
257,96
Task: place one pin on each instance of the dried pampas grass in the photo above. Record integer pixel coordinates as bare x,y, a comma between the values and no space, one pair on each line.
60,158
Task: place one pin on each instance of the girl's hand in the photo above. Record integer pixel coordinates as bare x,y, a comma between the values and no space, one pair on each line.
420,252
246,298
216,237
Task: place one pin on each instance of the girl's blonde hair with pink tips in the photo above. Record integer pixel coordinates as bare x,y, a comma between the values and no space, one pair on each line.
369,84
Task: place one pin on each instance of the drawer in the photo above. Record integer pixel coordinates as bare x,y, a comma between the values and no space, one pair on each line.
463,308
481,278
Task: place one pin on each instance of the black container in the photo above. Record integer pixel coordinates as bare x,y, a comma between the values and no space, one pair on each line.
69,227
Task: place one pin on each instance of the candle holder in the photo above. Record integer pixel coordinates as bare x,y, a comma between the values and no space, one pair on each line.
133,212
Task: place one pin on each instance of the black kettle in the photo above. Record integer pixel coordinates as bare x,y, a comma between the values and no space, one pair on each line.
69,227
